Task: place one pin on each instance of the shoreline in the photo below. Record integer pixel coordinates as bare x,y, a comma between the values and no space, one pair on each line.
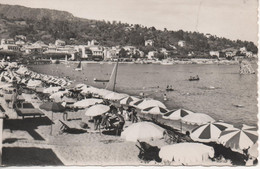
191,61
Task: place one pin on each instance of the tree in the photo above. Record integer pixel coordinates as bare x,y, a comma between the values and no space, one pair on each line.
123,53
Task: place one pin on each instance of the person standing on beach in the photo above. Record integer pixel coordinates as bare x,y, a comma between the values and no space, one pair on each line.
120,125
133,116
14,99
97,122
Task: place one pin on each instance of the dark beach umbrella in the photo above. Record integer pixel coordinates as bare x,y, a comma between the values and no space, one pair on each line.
52,106
209,132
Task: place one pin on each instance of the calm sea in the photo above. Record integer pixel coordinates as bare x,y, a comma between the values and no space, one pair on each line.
219,89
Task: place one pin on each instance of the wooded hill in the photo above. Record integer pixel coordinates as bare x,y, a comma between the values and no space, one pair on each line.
48,25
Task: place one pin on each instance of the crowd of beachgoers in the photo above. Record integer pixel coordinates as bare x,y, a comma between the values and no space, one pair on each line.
123,121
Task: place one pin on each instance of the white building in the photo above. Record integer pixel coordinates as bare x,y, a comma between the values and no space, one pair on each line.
243,50
149,42
214,53
93,43
151,54
8,44
181,43
60,42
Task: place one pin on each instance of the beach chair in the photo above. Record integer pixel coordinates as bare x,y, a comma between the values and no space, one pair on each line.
27,110
71,129
170,137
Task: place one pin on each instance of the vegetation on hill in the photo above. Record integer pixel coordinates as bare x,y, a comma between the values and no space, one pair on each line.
49,25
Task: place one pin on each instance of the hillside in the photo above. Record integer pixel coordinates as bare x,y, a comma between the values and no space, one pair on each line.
48,25
18,12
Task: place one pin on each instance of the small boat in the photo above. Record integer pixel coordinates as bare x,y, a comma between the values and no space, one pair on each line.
100,80
79,67
194,78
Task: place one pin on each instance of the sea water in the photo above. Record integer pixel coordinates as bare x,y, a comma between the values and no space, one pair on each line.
221,92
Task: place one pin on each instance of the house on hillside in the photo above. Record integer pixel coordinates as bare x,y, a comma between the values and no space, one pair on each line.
20,37
20,42
97,52
151,54
243,50
93,43
60,42
230,52
214,53
9,44
181,43
149,42
208,35
110,53
130,50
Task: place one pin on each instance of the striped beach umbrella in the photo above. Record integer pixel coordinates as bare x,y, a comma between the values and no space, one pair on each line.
177,114
128,100
209,132
155,110
236,138
197,118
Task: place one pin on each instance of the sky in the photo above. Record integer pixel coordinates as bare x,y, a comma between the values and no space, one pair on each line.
232,19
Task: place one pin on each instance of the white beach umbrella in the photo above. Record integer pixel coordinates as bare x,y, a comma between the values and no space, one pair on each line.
87,102
197,118
34,83
239,139
187,153
177,114
115,96
51,89
68,100
96,110
103,92
57,96
209,132
142,104
142,131
253,150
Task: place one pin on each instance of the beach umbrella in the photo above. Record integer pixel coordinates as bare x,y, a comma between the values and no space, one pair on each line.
96,110
68,100
148,103
177,114
103,92
197,118
115,96
142,131
87,102
128,100
58,96
154,110
51,89
187,153
52,106
34,83
253,150
209,132
237,138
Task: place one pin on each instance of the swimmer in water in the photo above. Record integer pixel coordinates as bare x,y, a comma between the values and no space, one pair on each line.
165,97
